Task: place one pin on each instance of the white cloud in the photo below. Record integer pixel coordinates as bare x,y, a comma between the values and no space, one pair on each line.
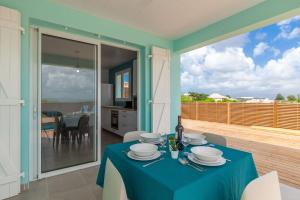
59,83
260,48
286,30
231,72
288,21
286,33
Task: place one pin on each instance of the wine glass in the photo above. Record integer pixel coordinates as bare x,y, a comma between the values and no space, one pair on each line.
163,140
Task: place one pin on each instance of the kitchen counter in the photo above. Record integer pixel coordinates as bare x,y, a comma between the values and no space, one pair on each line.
118,108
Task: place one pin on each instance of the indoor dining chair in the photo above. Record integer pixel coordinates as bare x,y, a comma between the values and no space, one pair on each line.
215,139
132,136
113,188
263,188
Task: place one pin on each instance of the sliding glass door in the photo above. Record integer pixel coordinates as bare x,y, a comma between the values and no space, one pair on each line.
68,101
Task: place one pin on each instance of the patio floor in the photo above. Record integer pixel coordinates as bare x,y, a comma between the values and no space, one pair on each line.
81,185
272,150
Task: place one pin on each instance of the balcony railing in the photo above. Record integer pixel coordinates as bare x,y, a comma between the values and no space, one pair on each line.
275,115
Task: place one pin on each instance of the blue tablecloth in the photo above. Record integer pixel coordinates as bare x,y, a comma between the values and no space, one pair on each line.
169,180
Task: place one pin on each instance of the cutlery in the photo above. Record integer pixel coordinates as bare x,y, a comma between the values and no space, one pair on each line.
185,162
194,164
155,161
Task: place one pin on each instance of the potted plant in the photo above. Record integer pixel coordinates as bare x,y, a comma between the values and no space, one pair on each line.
173,148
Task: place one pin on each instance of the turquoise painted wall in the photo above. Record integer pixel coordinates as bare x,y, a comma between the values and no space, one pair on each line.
55,16
48,14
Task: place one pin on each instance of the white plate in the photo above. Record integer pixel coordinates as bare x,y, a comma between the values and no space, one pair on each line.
151,142
150,136
194,137
143,149
205,153
220,162
131,155
203,142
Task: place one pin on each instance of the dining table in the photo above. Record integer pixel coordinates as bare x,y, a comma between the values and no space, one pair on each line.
168,179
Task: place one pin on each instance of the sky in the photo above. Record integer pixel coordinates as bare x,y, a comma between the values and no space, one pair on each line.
260,63
65,84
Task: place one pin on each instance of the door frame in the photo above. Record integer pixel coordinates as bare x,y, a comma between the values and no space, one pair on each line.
138,65
35,105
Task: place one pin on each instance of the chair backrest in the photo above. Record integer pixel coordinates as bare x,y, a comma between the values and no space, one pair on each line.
263,188
113,188
132,136
215,139
83,124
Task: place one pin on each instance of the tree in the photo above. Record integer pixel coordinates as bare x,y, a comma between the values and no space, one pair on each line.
198,96
228,96
291,98
279,97
186,99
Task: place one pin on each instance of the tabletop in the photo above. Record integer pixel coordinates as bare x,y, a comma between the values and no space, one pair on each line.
169,180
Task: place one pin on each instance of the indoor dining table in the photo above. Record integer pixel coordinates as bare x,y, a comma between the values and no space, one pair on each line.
168,179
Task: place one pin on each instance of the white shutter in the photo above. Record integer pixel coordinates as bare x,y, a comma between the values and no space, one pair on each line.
160,90
9,102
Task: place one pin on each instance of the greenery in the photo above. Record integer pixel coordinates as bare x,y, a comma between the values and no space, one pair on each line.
202,97
279,97
186,99
198,96
172,143
291,98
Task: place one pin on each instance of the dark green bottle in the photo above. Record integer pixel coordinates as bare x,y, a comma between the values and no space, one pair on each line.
179,131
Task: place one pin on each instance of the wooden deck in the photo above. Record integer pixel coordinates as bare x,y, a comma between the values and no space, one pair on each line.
271,149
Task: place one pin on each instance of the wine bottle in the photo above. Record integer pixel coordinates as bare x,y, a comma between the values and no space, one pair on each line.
179,131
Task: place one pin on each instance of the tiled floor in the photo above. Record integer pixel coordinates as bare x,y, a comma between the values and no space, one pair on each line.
79,185
68,154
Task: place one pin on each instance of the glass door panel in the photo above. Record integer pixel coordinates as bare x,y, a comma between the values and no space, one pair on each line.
68,103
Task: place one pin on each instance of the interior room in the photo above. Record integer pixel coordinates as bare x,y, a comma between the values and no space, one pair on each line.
119,85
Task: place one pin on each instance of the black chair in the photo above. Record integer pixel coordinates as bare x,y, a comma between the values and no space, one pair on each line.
57,126
81,129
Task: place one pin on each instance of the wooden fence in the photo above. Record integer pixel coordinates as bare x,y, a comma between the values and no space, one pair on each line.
276,115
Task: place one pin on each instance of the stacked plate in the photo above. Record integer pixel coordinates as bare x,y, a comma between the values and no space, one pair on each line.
152,138
195,138
208,156
143,152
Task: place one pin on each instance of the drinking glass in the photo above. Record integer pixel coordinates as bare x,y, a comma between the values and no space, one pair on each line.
163,140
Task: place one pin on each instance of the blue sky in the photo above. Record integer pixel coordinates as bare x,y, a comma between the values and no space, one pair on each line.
260,63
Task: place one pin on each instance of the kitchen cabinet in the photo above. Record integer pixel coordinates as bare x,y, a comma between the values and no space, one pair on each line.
127,120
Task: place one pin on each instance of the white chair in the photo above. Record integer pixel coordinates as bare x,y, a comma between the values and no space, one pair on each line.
113,188
265,187
215,139
132,136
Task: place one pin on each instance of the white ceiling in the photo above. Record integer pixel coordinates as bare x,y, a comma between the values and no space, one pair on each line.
166,18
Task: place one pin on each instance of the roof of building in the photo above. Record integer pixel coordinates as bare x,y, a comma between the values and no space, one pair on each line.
217,96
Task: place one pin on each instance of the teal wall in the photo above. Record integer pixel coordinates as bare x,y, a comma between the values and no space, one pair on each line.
55,16
45,13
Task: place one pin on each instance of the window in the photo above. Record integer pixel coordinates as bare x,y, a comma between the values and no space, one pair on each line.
123,85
